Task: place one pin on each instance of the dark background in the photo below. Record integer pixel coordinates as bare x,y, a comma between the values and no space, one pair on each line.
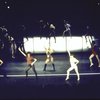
79,13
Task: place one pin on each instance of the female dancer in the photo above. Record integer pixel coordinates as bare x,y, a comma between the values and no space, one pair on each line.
94,53
30,61
73,63
49,58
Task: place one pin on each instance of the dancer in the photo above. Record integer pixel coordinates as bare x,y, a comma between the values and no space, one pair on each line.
89,35
73,63
49,58
47,29
13,46
67,28
94,53
30,61
43,28
52,31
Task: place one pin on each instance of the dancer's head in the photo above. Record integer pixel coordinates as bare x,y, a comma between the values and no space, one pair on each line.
28,54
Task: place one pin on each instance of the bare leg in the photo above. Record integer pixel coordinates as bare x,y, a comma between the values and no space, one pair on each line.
68,71
98,60
90,58
69,31
78,76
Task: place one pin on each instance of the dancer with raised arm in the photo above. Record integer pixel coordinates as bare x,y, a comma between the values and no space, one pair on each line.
30,61
73,63
94,53
49,58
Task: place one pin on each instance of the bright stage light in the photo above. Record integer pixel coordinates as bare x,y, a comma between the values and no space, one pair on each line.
74,43
28,44
8,7
37,45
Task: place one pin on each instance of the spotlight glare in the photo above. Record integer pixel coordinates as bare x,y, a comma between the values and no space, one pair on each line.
8,7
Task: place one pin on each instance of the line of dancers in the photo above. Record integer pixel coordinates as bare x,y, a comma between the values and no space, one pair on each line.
49,58
31,60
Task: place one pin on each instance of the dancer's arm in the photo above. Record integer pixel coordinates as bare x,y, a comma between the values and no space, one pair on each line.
1,62
21,51
76,61
35,60
68,52
50,50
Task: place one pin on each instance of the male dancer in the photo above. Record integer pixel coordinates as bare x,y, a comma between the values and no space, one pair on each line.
73,63
30,61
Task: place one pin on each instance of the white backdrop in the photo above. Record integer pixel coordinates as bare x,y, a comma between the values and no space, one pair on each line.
37,45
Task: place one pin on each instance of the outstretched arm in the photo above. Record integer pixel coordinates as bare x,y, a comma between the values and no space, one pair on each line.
21,51
35,60
1,62
68,52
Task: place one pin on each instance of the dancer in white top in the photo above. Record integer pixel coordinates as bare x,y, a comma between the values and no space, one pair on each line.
73,63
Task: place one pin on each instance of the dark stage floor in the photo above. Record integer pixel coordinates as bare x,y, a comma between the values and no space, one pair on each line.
50,84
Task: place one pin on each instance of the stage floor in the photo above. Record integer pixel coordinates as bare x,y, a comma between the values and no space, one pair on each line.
50,84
